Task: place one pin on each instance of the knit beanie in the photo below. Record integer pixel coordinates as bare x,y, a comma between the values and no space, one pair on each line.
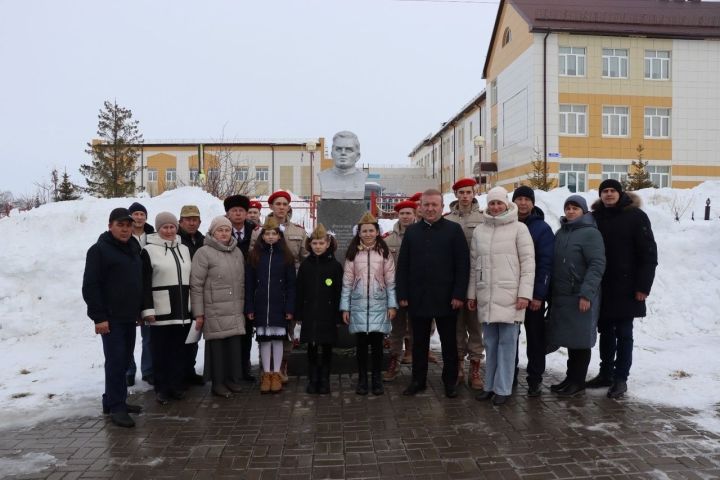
610,183
219,221
497,193
163,218
578,201
524,191
137,207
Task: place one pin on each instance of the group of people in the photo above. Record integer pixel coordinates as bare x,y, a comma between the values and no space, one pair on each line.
474,275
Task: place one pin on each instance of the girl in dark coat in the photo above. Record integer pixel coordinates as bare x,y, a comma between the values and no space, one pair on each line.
579,263
270,299
318,287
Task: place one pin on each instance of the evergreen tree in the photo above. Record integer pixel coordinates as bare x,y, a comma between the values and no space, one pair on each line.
112,170
537,178
67,190
638,175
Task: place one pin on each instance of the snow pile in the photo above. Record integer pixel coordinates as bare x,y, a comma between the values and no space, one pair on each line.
53,363
28,463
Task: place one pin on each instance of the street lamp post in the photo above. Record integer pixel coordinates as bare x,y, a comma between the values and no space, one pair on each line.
479,142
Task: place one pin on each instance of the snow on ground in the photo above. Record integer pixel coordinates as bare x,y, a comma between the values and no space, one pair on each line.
53,363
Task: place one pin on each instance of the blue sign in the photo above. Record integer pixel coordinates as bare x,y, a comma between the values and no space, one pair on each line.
554,155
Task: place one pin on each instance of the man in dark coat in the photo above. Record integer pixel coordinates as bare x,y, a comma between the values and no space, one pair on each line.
631,255
112,290
236,208
190,236
544,241
432,278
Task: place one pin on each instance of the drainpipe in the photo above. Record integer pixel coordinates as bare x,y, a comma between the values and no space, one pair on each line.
454,154
142,169
272,168
432,145
545,169
441,163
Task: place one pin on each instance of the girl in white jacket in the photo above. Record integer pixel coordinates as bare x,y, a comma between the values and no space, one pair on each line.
502,272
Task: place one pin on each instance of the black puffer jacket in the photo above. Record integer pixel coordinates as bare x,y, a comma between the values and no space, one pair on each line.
112,283
317,297
187,240
631,255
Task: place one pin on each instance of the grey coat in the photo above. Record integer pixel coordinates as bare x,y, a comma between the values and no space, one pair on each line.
578,268
217,288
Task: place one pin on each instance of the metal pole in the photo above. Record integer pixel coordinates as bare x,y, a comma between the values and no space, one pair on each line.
707,209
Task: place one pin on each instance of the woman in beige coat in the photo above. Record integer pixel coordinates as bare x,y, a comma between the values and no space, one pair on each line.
217,293
502,272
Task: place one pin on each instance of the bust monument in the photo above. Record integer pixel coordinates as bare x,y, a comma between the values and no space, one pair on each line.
343,180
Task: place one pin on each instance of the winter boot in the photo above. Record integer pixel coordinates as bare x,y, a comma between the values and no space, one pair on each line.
534,389
461,372
324,380
617,390
392,371
265,382
559,386
312,382
572,390
476,382
275,382
220,390
600,381
362,384
283,371
407,357
377,384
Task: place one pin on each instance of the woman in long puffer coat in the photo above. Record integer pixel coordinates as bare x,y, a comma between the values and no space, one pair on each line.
368,300
502,275
579,264
217,293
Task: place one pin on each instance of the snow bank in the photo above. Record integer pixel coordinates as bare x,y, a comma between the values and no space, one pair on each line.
52,360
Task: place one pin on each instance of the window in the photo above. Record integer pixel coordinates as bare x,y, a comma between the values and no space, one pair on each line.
615,62
660,176
507,36
193,175
615,172
572,61
615,121
494,139
657,122
573,176
241,174
573,119
170,175
152,175
262,174
493,93
657,65
213,174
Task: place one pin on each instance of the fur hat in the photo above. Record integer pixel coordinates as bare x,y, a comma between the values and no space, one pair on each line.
163,218
219,221
463,182
610,183
271,223
497,193
367,218
578,201
137,207
524,191
237,201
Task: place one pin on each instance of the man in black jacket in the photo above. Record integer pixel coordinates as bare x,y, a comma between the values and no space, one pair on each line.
631,259
112,290
432,279
191,237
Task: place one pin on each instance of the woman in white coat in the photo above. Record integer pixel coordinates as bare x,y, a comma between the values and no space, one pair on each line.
502,272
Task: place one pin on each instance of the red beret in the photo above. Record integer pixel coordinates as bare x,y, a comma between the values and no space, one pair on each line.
278,194
416,197
405,204
255,204
464,182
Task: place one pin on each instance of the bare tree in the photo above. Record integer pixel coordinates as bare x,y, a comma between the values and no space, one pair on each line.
679,207
7,203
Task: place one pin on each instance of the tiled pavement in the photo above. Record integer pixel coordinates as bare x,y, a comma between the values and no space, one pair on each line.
297,436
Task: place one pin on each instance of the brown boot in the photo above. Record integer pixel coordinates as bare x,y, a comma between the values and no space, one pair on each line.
461,372
407,357
476,382
392,371
275,382
431,357
265,381
283,371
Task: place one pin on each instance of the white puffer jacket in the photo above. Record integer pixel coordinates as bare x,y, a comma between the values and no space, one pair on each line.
502,267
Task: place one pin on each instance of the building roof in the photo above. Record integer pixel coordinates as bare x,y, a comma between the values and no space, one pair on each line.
690,19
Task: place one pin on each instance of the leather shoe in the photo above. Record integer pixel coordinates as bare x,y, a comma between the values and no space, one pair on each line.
451,391
617,389
122,419
571,390
599,381
534,390
130,409
484,395
221,391
194,379
162,398
559,386
500,399
177,394
233,387
414,388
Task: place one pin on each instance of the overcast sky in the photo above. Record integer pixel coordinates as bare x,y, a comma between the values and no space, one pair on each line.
391,71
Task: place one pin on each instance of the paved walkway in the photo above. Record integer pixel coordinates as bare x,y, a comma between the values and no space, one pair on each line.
297,436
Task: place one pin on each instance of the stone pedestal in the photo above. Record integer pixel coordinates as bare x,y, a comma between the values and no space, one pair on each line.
339,217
